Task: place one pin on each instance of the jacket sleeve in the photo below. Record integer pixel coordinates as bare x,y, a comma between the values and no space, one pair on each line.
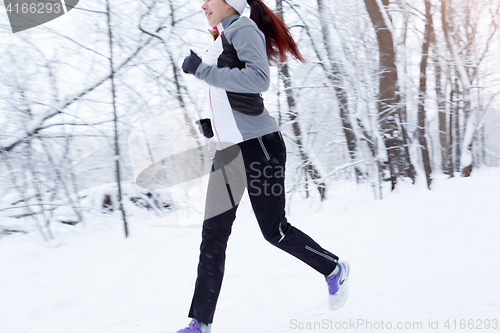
250,45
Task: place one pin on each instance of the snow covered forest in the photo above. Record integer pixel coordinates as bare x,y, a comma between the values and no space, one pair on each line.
392,126
392,91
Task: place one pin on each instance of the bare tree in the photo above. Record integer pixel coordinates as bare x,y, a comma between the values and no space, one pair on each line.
31,143
310,169
422,94
335,74
115,119
399,163
467,51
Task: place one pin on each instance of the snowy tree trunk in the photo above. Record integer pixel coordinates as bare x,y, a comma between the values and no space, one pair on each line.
441,103
310,169
178,86
115,121
450,136
470,108
388,106
456,126
442,119
422,96
335,76
402,96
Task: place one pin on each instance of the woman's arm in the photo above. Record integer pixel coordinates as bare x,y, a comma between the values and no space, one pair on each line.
250,45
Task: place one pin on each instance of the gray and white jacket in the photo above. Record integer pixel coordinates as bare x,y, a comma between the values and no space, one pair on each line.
236,71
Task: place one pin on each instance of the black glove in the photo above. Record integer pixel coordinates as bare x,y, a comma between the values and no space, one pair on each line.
205,127
191,63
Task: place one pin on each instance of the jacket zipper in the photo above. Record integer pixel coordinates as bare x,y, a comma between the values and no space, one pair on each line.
264,148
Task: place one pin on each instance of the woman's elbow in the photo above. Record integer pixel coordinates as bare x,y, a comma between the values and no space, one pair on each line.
265,85
264,82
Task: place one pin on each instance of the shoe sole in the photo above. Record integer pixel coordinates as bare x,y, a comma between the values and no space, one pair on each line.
337,301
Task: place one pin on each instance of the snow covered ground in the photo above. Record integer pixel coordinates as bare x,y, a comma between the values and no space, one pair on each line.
416,257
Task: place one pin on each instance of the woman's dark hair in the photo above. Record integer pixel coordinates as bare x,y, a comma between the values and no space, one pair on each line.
279,41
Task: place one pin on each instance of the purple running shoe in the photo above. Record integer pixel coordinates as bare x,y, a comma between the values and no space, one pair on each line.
337,286
195,327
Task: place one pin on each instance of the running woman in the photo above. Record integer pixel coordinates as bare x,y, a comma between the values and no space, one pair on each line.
236,72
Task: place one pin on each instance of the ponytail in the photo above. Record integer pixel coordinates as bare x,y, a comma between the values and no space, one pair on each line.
279,41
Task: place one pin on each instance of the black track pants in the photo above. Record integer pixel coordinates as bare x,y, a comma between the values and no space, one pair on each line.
264,167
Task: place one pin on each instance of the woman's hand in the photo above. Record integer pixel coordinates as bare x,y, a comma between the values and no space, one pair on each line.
191,63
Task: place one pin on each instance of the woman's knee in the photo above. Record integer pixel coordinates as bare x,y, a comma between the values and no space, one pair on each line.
275,236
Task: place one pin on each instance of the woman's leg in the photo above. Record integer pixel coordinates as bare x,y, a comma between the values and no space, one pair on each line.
215,234
265,159
223,196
